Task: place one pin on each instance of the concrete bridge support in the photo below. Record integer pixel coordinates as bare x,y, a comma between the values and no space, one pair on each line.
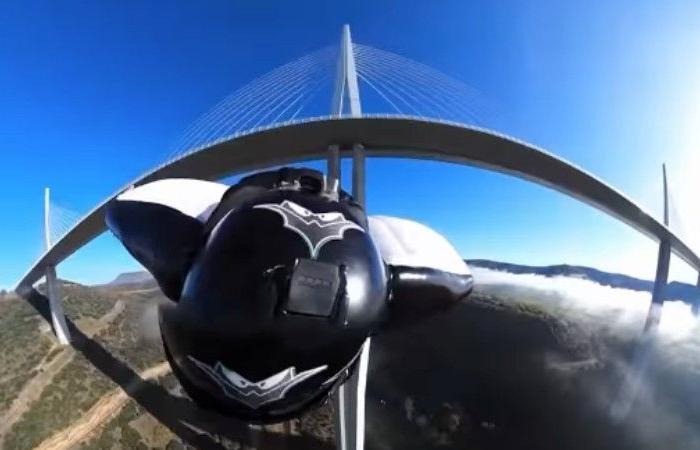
622,405
333,164
58,317
358,174
658,295
53,289
663,262
696,304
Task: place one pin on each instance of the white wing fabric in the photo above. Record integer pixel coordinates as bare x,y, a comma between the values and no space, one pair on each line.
403,242
427,274
194,198
162,225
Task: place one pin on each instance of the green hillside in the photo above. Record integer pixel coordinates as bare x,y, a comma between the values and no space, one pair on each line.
499,371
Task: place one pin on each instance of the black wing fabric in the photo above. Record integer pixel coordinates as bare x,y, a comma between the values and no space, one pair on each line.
162,225
161,238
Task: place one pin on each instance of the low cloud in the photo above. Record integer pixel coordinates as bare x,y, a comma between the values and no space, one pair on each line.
623,310
654,404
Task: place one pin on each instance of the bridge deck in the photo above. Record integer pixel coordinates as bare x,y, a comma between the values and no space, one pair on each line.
395,136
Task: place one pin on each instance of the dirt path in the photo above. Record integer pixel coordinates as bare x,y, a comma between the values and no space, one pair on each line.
31,391
98,416
141,291
93,327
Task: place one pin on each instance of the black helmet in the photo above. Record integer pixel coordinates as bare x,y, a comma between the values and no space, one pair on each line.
276,305
276,283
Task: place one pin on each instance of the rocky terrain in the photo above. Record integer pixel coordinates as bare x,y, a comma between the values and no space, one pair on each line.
504,369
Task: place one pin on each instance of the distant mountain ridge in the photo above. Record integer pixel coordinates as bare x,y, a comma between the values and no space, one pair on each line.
138,277
674,291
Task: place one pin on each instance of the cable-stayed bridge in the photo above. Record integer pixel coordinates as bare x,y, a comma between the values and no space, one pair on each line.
425,112
282,117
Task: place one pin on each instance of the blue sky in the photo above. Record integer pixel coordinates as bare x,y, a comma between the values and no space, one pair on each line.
94,93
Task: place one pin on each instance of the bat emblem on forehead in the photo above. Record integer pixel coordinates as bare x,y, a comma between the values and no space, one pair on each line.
317,229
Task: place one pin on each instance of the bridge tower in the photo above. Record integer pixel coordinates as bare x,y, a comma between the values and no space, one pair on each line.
346,102
53,289
349,398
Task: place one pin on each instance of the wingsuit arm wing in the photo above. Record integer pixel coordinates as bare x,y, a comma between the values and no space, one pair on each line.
426,272
161,224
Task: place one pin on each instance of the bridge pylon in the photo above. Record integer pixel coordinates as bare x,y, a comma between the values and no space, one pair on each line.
346,102
53,288
347,92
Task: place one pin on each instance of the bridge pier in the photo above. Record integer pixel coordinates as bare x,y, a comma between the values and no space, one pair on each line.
663,262
695,307
658,295
623,403
58,317
53,289
333,164
358,174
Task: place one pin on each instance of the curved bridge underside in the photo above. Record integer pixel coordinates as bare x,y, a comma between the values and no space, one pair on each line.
388,136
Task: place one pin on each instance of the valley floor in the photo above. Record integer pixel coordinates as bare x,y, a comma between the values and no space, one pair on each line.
502,370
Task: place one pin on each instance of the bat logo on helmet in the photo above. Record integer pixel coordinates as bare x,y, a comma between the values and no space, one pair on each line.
255,393
317,229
